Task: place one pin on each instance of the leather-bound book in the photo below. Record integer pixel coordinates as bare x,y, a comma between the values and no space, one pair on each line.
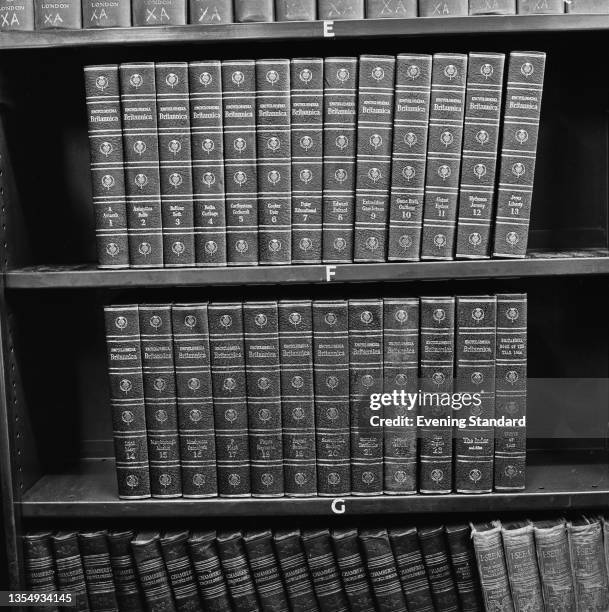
98,571
465,571
127,585
69,568
38,564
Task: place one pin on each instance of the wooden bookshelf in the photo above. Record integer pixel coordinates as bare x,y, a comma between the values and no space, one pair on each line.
54,409
310,30
593,261
89,491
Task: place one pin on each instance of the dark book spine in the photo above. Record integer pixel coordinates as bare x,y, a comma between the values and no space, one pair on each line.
492,7
210,12
230,398
173,112
588,7
324,571
107,165
479,165
274,161
491,567
142,175
410,126
111,15
265,571
70,572
174,547
373,168
297,399
588,565
207,144
57,16
127,401
382,571
340,134
161,400
511,392
400,373
38,564
463,562
240,171
149,13
332,419
123,568
98,571
365,378
17,16
307,79
518,153
153,576
340,9
540,7
301,10
436,375
353,570
475,381
254,10
443,8
195,400
521,563
554,562
261,327
435,556
295,571
391,9
444,155
411,569
207,567
237,572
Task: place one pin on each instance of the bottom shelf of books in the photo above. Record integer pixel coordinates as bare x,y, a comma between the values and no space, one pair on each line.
554,481
497,565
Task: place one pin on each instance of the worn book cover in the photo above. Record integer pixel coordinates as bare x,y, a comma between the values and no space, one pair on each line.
254,10
174,546
69,568
240,159
128,592
540,7
409,159
443,8
123,347
274,161
518,153
17,15
107,165
227,357
332,419
463,562
173,112
307,81
98,571
158,13
153,576
391,9
210,12
195,400
340,134
295,10
444,155
38,563
161,400
141,151
265,571
492,7
261,334
374,146
297,399
106,13
208,570
483,102
50,15
340,9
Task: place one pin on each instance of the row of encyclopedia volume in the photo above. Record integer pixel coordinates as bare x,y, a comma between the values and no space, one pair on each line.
306,161
71,14
550,565
309,570
273,399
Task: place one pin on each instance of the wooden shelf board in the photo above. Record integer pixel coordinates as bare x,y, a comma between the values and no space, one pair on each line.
360,28
591,261
89,491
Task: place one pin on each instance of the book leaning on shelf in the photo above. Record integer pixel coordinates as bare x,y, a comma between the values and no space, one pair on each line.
515,565
327,398
303,161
